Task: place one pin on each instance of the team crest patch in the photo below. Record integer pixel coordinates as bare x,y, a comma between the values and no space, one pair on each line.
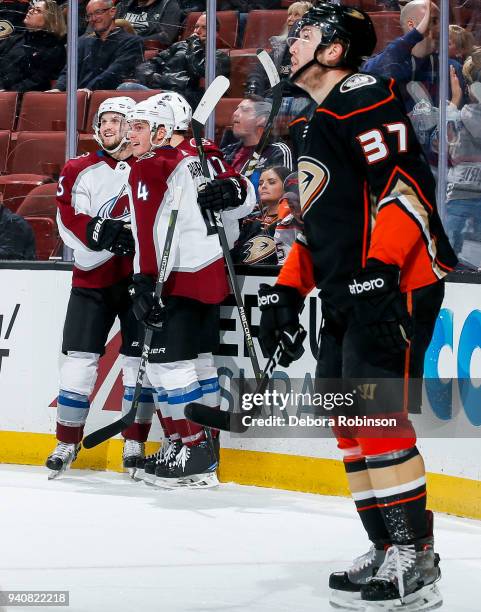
356,81
313,179
6,28
259,249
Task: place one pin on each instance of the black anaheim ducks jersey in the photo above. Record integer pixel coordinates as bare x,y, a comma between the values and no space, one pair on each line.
366,191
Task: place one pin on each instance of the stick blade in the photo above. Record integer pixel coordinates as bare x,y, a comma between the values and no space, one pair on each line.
109,431
210,99
214,418
269,67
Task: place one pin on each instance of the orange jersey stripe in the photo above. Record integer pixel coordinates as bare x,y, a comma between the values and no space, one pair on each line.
297,270
361,110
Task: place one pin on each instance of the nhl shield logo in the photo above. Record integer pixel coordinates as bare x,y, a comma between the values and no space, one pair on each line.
313,179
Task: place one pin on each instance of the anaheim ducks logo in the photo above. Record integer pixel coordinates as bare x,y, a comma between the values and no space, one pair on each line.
259,249
313,179
6,28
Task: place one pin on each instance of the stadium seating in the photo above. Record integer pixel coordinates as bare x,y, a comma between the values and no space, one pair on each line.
4,148
261,25
242,63
47,239
228,28
8,109
40,202
387,26
48,111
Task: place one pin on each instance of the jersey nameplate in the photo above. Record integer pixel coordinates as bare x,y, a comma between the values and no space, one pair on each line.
356,81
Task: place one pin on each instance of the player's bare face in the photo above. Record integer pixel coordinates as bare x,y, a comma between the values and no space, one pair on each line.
270,188
244,121
302,48
112,129
139,136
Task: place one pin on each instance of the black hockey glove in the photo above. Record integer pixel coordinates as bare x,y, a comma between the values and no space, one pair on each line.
280,307
380,308
146,307
222,194
114,236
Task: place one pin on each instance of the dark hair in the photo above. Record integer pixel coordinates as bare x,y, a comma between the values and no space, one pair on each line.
281,171
217,22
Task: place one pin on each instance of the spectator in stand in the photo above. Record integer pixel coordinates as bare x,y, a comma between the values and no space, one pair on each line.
81,10
290,217
244,6
248,122
461,43
257,82
413,56
153,19
30,60
107,55
17,240
180,67
256,243
12,14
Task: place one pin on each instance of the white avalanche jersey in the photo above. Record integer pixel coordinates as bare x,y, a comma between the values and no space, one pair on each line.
93,185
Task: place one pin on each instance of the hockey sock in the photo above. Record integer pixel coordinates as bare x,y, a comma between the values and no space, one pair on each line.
139,430
399,483
365,500
163,412
209,382
190,433
72,412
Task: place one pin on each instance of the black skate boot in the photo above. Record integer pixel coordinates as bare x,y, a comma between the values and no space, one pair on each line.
61,458
146,466
346,586
132,453
193,466
406,580
158,469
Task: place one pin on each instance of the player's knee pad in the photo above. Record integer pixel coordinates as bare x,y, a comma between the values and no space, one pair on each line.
145,407
175,375
72,408
204,366
392,457
130,370
78,372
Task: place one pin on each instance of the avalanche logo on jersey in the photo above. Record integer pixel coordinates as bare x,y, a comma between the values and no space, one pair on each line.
313,179
356,81
117,207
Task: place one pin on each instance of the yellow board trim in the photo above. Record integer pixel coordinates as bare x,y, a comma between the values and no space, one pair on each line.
450,494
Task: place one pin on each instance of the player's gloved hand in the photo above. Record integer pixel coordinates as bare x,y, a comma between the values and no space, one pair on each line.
280,307
114,236
222,194
380,308
146,307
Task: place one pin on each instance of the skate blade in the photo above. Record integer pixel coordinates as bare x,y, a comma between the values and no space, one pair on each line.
198,481
132,474
427,598
53,474
346,600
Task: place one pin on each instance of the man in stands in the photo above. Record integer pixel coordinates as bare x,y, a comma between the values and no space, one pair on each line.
181,67
107,55
152,19
248,122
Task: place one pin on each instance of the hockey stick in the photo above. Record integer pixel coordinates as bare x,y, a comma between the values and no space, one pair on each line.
229,421
112,429
198,121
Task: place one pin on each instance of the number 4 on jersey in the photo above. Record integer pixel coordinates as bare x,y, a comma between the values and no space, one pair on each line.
142,192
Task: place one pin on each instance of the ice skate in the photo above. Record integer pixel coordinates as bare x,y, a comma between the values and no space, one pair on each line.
406,580
156,466
132,453
61,458
192,467
346,586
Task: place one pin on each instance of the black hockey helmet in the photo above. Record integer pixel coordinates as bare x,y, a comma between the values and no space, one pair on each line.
351,26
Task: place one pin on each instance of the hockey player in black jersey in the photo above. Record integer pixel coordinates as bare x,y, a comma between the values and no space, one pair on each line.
374,245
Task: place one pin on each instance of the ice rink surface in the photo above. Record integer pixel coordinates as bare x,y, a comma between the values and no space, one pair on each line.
122,546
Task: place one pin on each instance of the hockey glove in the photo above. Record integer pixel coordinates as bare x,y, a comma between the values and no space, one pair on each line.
146,307
114,236
222,194
380,308
280,307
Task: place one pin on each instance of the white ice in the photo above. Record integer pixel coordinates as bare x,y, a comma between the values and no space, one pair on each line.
117,545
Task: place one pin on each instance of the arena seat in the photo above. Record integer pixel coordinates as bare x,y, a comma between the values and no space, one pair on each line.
223,115
37,158
47,239
228,28
100,95
48,111
4,147
8,109
261,25
40,202
242,63
387,26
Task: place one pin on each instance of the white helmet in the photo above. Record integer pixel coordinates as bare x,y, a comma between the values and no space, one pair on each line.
121,105
180,107
156,114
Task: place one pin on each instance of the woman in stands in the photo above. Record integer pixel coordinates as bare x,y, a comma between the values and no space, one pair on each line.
256,244
31,60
